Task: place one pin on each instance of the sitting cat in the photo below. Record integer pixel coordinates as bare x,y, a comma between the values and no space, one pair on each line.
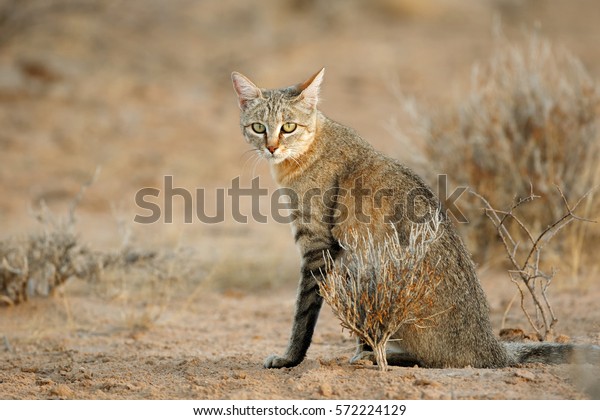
348,186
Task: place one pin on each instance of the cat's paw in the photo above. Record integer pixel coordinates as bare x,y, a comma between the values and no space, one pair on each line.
276,362
363,356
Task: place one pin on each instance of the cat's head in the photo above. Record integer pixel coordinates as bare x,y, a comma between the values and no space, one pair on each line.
279,123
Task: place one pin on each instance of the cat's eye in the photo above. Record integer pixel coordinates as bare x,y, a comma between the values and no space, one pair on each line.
259,128
288,127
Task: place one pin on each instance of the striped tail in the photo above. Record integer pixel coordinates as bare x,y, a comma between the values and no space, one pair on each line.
552,353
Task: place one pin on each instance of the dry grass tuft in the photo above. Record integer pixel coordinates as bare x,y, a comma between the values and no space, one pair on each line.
531,119
377,287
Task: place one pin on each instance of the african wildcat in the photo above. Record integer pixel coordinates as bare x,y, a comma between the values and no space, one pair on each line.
346,185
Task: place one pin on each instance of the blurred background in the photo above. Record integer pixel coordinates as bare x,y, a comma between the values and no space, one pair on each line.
100,99
141,89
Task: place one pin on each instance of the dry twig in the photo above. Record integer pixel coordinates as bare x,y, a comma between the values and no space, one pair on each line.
526,274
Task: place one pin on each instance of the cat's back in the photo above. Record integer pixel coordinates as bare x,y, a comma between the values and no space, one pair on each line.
357,161
342,144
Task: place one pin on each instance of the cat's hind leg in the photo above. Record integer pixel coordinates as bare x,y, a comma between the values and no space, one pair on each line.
395,355
363,352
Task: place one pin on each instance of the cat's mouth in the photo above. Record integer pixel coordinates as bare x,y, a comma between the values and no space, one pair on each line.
275,156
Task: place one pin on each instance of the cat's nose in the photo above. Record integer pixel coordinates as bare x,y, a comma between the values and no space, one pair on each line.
272,148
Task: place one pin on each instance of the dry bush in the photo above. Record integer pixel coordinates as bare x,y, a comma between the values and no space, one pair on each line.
531,118
142,279
143,282
41,262
377,287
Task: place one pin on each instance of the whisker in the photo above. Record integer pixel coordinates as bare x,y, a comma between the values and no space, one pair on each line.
295,159
248,159
248,151
255,157
257,162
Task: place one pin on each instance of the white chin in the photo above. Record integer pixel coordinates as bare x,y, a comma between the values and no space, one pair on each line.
276,158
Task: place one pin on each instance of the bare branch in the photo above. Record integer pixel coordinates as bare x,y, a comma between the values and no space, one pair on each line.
526,272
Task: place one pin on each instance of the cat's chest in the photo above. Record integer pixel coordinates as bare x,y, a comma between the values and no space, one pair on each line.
309,201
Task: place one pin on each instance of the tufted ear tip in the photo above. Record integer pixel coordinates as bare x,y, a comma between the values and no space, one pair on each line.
245,89
311,87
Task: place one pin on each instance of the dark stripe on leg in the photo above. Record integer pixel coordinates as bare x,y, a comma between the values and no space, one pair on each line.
301,232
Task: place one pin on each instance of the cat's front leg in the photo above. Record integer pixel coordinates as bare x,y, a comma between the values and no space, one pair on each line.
308,306
308,302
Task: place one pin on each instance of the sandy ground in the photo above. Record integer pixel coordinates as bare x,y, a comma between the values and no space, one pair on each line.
142,90
211,346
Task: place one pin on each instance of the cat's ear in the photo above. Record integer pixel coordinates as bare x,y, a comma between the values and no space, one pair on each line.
245,89
309,90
